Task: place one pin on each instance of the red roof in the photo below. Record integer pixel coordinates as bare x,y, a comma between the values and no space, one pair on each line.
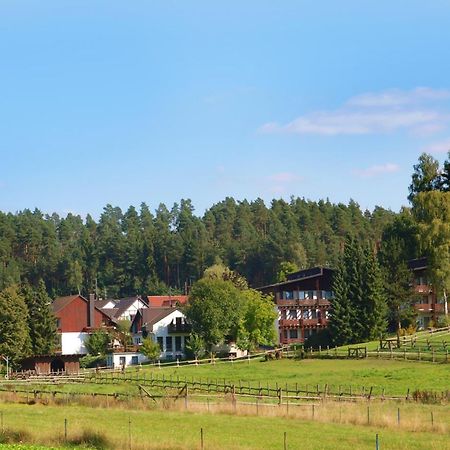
158,301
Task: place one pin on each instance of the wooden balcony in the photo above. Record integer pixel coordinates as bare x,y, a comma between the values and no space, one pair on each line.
182,328
422,288
289,323
298,323
303,303
429,307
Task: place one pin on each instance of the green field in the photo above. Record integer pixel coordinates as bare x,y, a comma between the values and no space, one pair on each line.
180,430
439,340
396,377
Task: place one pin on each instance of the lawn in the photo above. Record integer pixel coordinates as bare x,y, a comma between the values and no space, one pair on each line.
181,430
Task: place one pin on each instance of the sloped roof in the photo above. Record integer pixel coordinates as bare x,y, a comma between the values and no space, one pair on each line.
124,303
102,303
111,312
166,300
61,302
151,316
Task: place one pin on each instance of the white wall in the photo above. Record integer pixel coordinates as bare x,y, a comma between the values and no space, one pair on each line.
74,343
160,330
114,359
131,311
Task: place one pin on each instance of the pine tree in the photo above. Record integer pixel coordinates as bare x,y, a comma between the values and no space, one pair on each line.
41,321
341,314
374,305
14,332
353,265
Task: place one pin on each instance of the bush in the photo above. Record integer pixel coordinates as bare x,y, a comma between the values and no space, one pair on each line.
89,361
13,436
90,439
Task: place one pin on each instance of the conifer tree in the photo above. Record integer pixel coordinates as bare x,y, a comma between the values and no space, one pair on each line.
353,264
41,321
341,315
14,332
374,305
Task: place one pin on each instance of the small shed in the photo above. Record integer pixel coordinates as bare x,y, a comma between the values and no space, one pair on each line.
46,364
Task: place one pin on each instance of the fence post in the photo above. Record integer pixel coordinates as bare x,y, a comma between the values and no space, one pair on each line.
368,415
398,416
432,419
129,433
377,444
201,439
65,430
313,411
285,440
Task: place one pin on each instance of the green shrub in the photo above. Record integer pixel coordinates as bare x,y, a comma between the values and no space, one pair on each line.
89,361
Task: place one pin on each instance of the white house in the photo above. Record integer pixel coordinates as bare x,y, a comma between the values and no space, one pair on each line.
122,309
167,326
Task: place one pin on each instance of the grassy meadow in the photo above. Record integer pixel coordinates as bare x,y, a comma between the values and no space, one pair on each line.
172,429
396,377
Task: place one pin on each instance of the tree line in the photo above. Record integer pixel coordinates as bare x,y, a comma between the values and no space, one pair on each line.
140,252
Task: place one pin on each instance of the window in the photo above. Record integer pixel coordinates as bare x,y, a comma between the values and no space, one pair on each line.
58,323
169,346
292,313
178,321
293,334
134,360
160,342
122,361
178,343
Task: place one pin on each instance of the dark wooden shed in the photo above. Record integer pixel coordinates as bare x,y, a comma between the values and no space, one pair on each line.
46,364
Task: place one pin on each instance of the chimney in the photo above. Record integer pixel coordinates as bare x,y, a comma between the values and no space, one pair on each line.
91,320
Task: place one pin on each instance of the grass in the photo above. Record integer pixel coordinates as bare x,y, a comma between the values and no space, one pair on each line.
436,339
396,377
181,430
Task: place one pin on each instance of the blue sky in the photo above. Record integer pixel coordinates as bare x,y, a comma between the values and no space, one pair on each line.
124,102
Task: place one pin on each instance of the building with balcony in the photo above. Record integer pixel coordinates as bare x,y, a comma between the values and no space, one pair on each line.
428,306
167,326
302,303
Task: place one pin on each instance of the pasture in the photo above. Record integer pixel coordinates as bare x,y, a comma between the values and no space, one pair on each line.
172,429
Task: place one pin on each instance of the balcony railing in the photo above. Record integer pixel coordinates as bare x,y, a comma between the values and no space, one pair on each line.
305,302
289,322
422,288
430,307
297,323
179,328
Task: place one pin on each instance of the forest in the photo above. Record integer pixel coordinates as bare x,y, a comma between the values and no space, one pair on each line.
138,251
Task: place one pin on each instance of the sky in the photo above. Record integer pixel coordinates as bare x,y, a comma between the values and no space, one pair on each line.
153,101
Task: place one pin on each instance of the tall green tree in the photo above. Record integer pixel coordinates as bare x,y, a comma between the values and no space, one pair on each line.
14,333
41,320
340,323
375,301
214,310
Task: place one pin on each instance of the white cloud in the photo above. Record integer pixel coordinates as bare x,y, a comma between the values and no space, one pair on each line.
438,147
377,170
397,97
370,113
